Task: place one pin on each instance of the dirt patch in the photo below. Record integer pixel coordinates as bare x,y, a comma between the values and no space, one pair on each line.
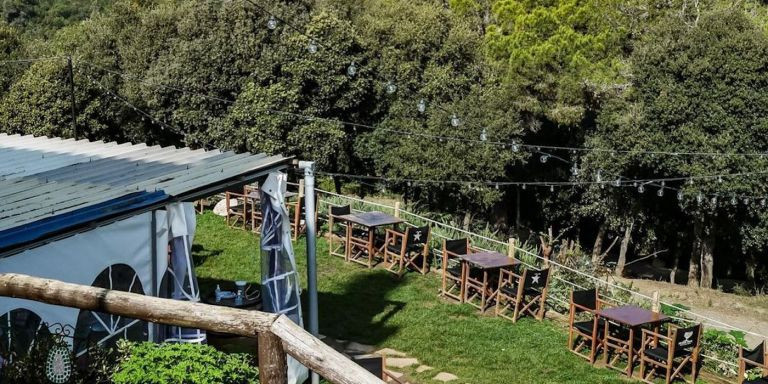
749,313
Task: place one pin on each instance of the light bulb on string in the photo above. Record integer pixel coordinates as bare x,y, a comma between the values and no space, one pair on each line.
422,106
551,188
719,179
484,135
272,22
515,147
312,47
544,158
523,186
497,186
660,192
599,176
762,202
391,87
746,201
617,182
734,201
575,170
352,69
455,120
680,195
714,200
699,198
641,188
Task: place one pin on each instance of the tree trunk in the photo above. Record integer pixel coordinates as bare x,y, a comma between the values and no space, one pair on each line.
751,271
467,221
337,185
693,266
598,248
623,250
517,209
708,260
675,266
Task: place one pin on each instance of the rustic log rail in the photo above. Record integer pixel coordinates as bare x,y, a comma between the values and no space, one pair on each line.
277,334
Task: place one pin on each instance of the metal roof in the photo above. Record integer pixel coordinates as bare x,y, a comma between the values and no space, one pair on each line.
41,177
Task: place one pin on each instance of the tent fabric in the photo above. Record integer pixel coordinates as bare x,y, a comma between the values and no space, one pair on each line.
181,223
23,234
279,275
81,258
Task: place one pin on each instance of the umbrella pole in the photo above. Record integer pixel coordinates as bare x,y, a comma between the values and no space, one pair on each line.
309,219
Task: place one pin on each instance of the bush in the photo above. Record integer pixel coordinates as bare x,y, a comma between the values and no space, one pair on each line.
722,346
149,363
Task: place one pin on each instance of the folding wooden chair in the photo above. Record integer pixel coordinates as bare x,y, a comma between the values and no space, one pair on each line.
756,358
406,250
337,230
586,333
239,211
452,268
521,294
377,366
671,353
296,210
253,197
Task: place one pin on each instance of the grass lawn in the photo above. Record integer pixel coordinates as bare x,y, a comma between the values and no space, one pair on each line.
374,307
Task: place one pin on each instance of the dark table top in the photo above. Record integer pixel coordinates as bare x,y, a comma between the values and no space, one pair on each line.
371,219
489,260
633,316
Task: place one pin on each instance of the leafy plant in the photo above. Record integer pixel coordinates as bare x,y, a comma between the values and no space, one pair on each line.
149,363
722,346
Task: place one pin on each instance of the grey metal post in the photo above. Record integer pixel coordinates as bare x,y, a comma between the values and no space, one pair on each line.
153,327
72,96
309,219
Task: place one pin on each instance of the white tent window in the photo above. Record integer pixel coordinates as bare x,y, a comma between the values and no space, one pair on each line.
96,327
18,330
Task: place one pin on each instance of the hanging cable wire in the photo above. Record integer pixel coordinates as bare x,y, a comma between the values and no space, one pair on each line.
31,60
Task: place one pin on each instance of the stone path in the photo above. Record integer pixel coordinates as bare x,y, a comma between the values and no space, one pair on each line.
405,366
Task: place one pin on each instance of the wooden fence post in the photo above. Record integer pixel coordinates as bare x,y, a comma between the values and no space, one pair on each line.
397,209
273,367
656,305
301,188
511,250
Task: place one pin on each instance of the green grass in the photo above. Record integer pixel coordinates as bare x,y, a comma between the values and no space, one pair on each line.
374,307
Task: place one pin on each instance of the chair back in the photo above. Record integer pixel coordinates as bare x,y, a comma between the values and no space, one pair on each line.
372,364
340,210
457,247
584,299
687,338
757,355
535,279
416,236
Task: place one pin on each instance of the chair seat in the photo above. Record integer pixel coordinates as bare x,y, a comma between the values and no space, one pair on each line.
586,326
454,270
511,290
763,380
395,248
661,353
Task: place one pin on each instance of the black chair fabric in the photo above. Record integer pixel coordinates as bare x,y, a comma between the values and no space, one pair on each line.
757,355
586,298
341,210
459,246
687,338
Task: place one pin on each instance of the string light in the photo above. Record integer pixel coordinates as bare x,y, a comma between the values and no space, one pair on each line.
575,170
680,195
422,106
483,135
733,200
617,182
641,188
455,120
699,198
515,147
544,159
312,47
391,87
352,69
272,22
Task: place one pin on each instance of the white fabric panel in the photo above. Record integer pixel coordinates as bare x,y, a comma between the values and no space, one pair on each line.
80,258
182,220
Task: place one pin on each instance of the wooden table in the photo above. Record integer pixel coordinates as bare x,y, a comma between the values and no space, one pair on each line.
487,262
633,318
370,221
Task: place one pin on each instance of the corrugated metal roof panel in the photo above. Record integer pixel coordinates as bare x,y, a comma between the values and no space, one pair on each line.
43,177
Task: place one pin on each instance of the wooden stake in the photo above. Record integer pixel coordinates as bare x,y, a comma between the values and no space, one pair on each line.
511,249
301,188
273,368
656,305
397,209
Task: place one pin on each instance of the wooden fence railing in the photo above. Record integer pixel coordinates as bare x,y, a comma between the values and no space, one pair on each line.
277,335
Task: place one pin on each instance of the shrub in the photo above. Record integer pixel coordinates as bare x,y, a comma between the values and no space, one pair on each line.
149,363
722,346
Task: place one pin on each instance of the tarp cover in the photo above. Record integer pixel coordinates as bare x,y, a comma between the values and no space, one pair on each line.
280,288
81,258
